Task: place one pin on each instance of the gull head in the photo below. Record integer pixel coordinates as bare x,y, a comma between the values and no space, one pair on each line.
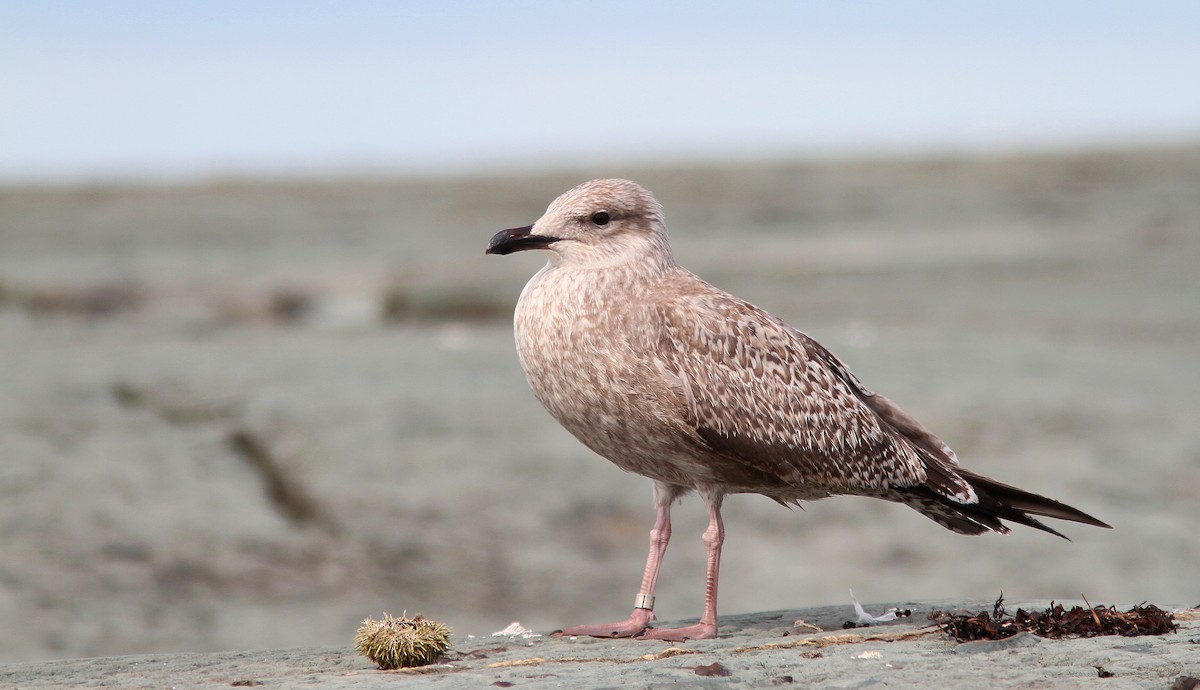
599,224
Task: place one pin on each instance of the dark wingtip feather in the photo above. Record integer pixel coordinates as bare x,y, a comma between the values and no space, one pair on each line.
1026,502
997,501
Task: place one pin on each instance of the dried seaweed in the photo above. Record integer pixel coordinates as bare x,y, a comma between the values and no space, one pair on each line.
1055,622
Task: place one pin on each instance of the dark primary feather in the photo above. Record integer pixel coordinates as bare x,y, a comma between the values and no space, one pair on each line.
997,501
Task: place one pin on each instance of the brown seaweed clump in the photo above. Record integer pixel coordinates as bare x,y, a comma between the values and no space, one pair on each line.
402,642
1055,622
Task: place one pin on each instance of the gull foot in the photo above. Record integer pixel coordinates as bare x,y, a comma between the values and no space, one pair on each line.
637,623
699,631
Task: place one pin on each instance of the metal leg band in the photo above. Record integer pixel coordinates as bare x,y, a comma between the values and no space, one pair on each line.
643,601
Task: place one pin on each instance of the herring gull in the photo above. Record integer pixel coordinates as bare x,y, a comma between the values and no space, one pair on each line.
676,380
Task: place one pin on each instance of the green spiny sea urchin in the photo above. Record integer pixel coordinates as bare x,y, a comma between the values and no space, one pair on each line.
402,642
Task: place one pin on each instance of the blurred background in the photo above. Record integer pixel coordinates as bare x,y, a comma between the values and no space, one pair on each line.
257,379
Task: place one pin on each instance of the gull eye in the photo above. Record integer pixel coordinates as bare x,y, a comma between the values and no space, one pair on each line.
601,218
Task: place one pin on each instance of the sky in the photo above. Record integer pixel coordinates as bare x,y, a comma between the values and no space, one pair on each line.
162,89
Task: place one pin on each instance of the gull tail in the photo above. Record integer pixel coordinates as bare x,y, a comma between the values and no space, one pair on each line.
997,501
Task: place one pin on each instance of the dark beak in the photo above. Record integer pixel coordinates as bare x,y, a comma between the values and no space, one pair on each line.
517,239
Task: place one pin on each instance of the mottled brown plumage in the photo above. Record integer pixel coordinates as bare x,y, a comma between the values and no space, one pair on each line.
674,379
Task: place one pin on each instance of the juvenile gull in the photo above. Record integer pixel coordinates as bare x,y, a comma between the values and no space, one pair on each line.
671,378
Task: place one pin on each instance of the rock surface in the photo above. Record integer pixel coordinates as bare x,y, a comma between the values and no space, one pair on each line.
775,649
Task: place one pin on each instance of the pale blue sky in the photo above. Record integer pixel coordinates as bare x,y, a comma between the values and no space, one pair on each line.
142,88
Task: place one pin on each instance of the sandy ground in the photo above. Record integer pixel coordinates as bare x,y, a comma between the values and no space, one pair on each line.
775,649
249,414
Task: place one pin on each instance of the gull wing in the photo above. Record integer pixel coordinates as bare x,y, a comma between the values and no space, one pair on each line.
768,395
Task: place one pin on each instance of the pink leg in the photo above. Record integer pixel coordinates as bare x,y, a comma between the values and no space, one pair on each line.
643,606
706,629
